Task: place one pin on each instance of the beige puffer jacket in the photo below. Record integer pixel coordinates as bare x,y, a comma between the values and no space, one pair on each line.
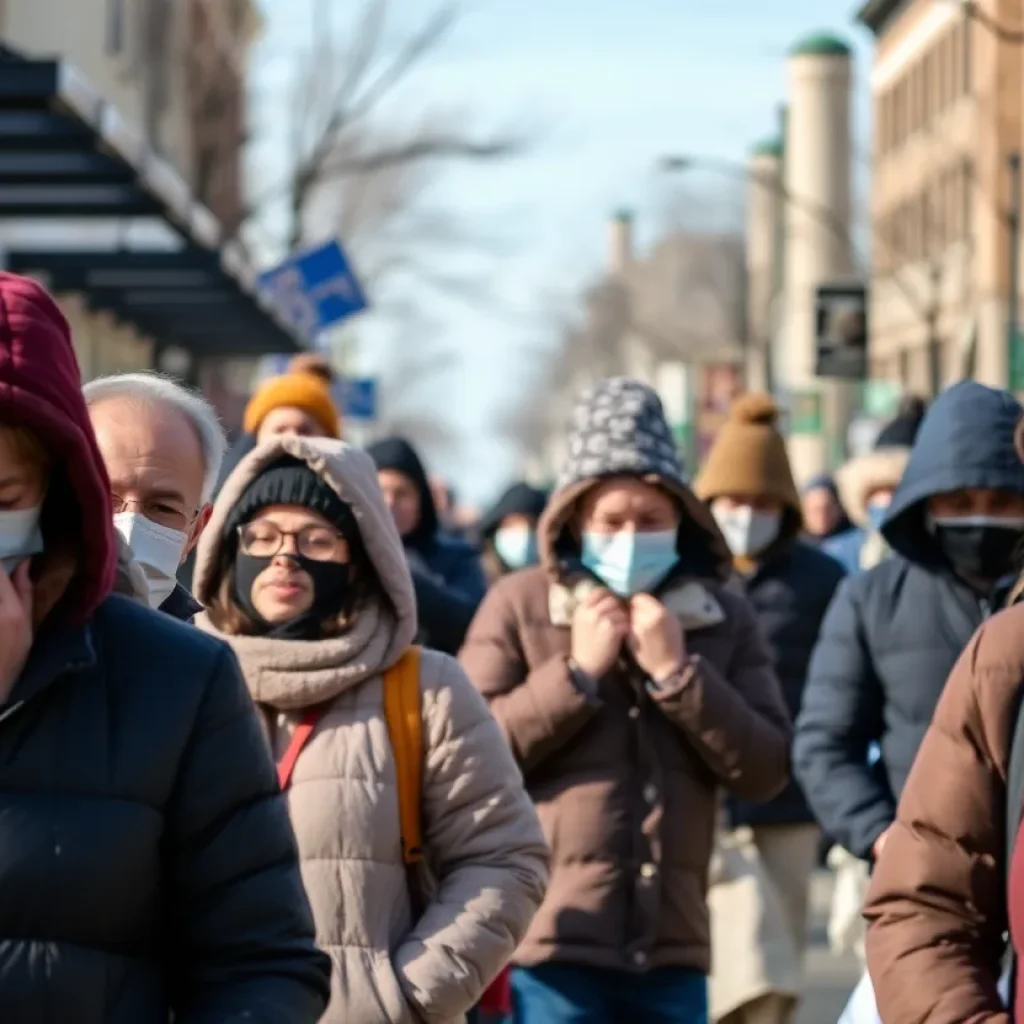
482,834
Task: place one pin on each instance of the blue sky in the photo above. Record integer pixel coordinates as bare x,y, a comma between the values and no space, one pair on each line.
604,87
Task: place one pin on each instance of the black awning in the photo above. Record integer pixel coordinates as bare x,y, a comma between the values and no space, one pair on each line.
65,153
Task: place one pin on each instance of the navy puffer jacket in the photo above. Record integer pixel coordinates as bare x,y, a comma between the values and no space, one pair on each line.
892,633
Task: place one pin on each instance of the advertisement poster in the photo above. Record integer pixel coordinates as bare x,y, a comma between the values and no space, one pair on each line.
718,385
841,331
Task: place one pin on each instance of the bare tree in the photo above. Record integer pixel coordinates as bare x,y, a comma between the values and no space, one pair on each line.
336,92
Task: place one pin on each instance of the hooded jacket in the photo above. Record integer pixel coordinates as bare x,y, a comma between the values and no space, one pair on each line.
483,840
893,633
446,571
147,867
627,783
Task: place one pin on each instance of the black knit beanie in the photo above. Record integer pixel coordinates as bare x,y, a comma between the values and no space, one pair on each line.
901,432
289,481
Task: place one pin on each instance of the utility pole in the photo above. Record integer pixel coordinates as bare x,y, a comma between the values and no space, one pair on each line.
1013,219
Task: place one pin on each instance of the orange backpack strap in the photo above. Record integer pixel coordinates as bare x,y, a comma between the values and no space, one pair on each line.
402,710
299,739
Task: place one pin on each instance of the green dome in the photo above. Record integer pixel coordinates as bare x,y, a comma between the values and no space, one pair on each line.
622,215
821,44
768,147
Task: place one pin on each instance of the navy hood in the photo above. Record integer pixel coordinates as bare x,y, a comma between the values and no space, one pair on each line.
398,455
965,440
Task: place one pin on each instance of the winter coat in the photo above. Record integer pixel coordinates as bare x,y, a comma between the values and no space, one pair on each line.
892,633
790,593
937,906
483,839
627,783
147,866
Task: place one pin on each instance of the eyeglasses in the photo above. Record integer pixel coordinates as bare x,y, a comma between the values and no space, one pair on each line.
156,511
263,539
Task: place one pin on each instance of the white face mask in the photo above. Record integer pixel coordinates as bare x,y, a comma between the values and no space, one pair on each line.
157,549
746,531
20,536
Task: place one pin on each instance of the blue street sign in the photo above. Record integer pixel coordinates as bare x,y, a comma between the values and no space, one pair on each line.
314,289
360,398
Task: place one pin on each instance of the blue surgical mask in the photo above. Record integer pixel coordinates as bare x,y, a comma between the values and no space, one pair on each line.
630,563
876,516
20,536
516,546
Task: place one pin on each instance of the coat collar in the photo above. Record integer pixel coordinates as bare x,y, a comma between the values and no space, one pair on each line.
181,605
690,600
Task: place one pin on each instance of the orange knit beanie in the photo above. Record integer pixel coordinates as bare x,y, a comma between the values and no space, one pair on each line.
748,457
304,391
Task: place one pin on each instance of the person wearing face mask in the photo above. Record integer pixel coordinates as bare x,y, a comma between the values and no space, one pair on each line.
893,632
509,530
867,483
147,865
748,484
163,447
632,686
302,572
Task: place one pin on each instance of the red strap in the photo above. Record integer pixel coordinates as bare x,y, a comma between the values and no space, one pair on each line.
300,737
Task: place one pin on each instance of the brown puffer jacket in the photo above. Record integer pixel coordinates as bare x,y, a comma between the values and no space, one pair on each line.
627,786
937,908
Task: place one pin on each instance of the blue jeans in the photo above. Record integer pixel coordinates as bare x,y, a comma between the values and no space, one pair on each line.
564,994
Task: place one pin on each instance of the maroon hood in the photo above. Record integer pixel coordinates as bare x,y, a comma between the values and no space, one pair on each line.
41,390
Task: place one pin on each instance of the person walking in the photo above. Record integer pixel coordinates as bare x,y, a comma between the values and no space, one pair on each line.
509,530
950,881
867,483
893,632
632,686
822,512
147,866
748,484
302,572
446,571
162,446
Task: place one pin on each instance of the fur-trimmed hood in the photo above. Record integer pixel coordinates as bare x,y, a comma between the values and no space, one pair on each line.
873,470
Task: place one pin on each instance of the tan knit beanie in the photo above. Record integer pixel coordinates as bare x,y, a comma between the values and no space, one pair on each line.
748,457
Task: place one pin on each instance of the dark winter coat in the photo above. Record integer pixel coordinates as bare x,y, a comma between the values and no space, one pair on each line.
893,633
790,594
147,867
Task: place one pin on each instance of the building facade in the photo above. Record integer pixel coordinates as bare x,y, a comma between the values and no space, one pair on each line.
946,97
174,73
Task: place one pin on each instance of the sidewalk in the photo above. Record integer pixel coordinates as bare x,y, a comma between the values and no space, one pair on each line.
830,979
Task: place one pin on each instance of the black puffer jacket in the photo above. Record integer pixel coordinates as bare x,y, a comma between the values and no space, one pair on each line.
893,633
790,592
147,865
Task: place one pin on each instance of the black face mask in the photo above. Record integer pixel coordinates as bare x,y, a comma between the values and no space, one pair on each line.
984,552
331,589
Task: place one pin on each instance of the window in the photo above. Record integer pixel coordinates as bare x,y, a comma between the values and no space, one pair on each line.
115,26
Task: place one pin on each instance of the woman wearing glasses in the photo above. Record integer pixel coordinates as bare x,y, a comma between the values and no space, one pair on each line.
302,572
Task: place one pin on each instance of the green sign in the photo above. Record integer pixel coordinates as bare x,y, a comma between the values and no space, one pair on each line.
683,434
805,413
1017,362
882,398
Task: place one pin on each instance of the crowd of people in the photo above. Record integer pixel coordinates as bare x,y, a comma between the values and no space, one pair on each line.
279,744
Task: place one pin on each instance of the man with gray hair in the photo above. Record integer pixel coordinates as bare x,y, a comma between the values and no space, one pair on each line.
163,447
